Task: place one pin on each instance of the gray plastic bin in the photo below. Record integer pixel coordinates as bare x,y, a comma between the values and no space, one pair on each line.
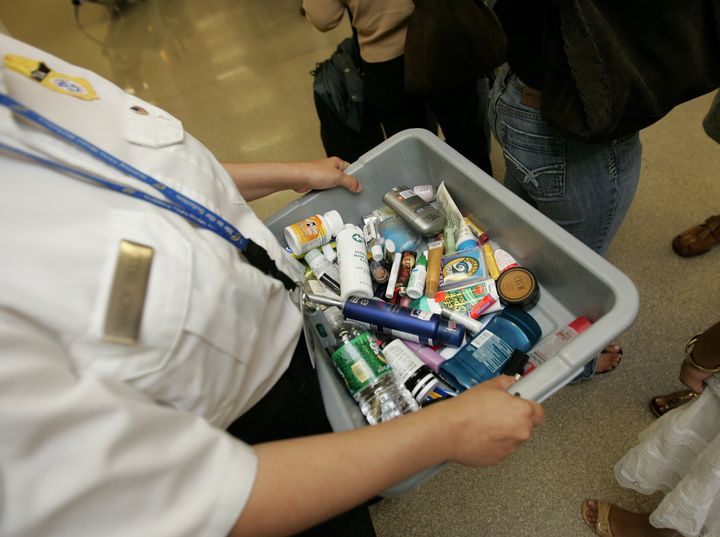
574,280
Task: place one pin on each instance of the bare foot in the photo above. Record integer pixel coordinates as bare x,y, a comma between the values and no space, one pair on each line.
609,358
623,523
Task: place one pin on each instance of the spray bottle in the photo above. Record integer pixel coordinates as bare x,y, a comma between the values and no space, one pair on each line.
410,324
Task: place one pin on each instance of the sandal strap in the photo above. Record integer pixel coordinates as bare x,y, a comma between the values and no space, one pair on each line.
602,527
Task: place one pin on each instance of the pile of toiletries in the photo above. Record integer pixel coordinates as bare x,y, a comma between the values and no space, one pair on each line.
417,295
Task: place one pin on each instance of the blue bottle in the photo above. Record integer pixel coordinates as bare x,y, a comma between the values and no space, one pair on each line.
485,355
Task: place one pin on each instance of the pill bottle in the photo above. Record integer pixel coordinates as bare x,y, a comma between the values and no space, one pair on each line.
409,369
313,232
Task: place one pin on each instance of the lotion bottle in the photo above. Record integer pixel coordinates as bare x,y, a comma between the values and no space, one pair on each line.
352,258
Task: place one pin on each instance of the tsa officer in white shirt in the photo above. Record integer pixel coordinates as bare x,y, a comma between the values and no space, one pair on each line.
134,333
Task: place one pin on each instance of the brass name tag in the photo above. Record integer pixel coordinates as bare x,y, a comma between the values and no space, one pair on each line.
127,298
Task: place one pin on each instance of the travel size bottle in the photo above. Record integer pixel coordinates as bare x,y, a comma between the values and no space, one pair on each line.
323,269
313,232
410,369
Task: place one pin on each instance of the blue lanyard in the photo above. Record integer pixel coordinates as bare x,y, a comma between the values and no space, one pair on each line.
175,202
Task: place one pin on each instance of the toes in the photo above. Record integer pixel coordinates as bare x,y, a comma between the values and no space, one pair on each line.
591,512
607,362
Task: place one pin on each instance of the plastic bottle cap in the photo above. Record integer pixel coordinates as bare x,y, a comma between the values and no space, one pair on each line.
334,316
334,221
424,386
450,333
517,286
377,252
292,241
328,251
426,192
389,246
466,245
580,324
312,254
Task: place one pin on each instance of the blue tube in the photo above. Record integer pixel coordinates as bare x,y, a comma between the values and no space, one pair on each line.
428,328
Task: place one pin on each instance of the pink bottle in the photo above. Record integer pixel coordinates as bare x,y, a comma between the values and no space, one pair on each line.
430,357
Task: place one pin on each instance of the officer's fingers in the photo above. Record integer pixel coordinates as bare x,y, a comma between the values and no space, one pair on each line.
505,382
538,413
502,382
336,162
350,182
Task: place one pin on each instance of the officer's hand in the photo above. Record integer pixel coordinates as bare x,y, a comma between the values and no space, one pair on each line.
486,424
324,174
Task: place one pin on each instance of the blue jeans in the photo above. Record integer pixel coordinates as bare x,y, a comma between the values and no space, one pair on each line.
584,187
711,122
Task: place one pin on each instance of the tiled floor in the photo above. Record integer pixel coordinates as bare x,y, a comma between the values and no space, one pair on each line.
237,74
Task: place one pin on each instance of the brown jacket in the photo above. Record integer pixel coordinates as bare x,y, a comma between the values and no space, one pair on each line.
613,67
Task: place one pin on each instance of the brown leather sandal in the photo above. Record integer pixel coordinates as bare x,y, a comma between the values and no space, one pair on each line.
698,239
602,525
662,404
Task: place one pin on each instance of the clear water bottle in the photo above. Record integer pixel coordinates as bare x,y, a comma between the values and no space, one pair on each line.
366,372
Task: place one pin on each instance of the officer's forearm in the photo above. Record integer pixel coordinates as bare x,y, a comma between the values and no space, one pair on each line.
257,180
304,481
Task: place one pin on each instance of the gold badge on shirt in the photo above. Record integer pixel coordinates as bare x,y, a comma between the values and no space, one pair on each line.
127,298
38,70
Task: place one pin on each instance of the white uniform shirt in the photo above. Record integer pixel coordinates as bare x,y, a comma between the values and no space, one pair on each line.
100,438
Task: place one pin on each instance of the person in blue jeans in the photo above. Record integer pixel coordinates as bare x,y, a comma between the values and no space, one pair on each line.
584,187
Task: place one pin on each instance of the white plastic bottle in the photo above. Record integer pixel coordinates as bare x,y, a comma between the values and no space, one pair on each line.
323,269
550,346
366,372
329,252
504,260
354,268
416,285
313,232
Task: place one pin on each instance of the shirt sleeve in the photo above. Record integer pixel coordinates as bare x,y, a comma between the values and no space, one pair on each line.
324,14
85,455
